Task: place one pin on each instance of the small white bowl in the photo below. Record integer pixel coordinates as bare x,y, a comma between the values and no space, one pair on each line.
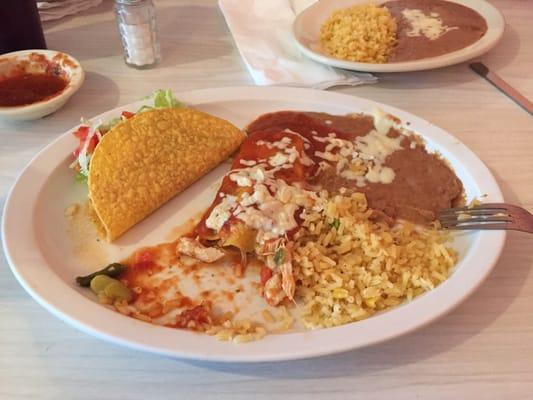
35,61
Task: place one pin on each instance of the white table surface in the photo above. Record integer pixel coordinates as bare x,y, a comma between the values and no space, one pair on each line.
481,350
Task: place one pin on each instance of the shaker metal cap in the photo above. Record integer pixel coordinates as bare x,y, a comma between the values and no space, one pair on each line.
129,2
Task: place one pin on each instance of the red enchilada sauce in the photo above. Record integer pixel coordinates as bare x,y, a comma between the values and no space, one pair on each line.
24,89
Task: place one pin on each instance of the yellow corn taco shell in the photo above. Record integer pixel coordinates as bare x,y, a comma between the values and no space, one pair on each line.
145,161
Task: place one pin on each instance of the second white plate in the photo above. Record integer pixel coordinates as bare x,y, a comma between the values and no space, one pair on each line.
306,30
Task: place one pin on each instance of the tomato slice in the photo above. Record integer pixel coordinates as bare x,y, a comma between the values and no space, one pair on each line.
82,132
92,144
90,147
127,114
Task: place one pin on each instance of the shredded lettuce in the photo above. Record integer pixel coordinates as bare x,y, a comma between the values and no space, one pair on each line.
84,157
165,99
103,128
144,108
80,177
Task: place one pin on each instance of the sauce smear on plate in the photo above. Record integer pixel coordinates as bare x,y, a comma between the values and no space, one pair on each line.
26,89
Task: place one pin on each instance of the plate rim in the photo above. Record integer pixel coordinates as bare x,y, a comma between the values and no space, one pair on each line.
444,60
261,350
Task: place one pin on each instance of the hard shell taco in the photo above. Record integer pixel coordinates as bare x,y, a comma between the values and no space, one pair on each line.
147,158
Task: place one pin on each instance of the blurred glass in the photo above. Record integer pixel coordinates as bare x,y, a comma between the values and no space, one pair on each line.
20,26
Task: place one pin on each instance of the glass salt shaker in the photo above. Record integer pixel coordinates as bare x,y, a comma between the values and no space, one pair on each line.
138,32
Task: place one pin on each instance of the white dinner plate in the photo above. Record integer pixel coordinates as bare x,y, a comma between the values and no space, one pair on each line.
41,254
306,30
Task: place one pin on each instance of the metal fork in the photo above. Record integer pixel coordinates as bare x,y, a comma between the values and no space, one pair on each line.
487,216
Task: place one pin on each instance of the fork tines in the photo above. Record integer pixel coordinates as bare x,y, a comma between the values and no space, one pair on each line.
487,216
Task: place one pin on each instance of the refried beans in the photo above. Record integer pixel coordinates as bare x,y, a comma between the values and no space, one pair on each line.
423,183
430,28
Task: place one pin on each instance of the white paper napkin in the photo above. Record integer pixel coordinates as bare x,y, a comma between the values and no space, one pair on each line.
55,9
262,31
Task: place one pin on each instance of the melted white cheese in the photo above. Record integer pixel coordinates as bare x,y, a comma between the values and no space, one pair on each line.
383,122
248,163
240,179
272,205
273,214
297,134
380,174
327,155
278,159
377,145
247,176
259,195
280,144
430,26
221,213
287,156
369,151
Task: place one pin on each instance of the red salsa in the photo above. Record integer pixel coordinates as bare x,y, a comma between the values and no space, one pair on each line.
26,88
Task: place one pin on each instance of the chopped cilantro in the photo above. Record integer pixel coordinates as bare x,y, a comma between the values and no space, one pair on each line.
279,256
336,223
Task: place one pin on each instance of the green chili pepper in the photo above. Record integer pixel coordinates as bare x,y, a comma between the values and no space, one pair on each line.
116,290
111,288
112,270
100,282
336,223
